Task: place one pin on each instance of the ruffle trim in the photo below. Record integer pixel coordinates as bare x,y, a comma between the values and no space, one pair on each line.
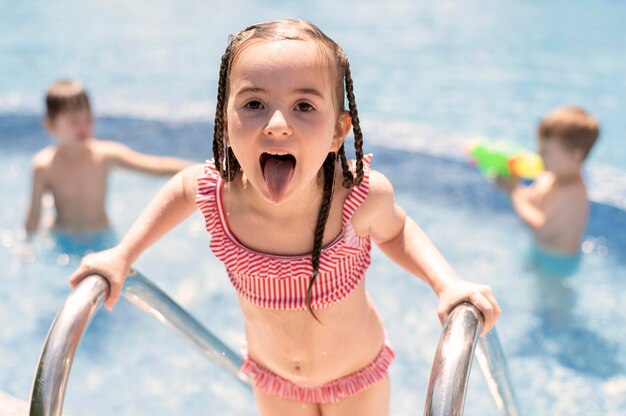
344,256
331,392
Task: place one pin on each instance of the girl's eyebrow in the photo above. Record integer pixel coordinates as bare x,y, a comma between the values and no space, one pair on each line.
249,89
310,91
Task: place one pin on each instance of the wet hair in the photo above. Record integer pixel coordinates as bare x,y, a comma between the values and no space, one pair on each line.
225,161
65,96
572,126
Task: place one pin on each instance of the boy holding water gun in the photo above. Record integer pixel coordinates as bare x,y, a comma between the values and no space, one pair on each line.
555,207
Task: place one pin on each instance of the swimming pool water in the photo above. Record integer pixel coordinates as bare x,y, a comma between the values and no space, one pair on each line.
428,76
462,68
564,339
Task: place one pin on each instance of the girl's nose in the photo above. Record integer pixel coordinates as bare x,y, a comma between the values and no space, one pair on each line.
277,126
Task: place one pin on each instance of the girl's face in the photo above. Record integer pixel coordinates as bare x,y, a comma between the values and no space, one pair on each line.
282,116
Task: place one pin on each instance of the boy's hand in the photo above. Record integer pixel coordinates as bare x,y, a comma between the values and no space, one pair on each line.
109,264
476,294
507,184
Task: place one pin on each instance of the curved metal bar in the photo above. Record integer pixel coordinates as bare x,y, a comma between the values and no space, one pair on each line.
453,361
73,319
147,296
446,390
492,364
61,343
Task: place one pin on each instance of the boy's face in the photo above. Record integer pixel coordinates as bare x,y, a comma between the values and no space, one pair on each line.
557,158
71,128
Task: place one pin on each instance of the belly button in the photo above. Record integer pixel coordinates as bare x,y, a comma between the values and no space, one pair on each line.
297,367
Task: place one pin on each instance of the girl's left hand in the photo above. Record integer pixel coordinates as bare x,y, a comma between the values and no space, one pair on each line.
476,294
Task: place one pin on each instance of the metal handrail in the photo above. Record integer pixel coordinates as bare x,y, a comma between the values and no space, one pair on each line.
453,361
448,379
73,319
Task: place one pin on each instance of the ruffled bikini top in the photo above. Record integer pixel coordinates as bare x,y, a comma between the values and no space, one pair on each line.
280,282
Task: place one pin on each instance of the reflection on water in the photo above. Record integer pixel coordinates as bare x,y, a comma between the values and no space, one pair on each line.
78,245
552,265
563,338
565,334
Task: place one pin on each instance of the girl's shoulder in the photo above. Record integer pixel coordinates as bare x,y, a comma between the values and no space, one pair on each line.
380,190
378,202
191,177
375,188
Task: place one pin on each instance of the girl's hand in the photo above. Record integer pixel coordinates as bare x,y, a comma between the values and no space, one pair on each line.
478,295
110,264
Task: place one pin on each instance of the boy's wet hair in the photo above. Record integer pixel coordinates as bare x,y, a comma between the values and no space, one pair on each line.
225,161
66,96
572,126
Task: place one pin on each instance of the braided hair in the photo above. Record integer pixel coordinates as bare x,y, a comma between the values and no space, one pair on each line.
225,160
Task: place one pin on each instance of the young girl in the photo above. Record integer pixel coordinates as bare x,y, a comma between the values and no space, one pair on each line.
296,245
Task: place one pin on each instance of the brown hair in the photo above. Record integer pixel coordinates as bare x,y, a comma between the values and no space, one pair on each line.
227,164
572,126
66,96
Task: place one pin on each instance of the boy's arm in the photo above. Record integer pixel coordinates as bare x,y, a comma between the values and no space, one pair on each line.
523,206
37,190
403,241
557,214
171,205
528,212
121,155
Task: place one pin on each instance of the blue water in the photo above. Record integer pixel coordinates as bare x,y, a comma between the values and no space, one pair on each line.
461,68
564,338
428,76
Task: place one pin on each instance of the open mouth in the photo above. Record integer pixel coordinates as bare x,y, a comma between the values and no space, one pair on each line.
277,168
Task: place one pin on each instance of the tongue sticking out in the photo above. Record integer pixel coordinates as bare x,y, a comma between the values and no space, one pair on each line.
277,171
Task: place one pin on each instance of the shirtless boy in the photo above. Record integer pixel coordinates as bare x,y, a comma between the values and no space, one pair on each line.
555,206
76,168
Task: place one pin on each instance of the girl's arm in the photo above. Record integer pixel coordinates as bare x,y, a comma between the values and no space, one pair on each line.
403,241
171,205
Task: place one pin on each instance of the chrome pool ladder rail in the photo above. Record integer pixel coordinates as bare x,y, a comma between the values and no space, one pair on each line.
449,376
73,318
447,386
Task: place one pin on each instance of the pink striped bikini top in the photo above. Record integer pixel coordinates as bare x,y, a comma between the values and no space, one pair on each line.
280,282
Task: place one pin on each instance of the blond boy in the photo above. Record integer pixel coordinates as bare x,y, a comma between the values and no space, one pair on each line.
75,169
555,207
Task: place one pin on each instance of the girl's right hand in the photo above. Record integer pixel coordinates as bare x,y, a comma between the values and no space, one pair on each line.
110,264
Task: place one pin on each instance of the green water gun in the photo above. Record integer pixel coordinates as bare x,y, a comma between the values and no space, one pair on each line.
504,159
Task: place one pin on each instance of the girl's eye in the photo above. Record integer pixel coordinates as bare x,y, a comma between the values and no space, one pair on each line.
304,107
254,105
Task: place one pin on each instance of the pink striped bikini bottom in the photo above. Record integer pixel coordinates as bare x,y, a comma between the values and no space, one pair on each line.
272,384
